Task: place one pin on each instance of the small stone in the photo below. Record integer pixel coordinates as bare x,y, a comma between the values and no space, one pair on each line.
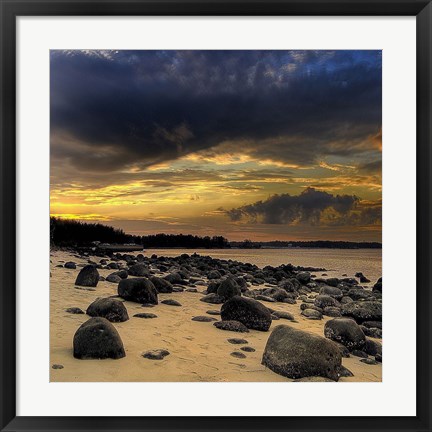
145,315
237,341
75,310
369,361
156,354
238,354
213,312
171,302
248,349
202,318
57,366
283,315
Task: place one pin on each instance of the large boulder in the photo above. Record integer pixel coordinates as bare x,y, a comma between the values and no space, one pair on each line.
97,338
140,290
249,312
363,311
297,354
111,309
228,288
88,276
345,331
162,285
139,270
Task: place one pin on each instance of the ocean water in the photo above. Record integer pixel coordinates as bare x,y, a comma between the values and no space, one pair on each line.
336,261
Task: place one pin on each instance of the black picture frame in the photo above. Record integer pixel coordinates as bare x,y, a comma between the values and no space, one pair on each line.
11,9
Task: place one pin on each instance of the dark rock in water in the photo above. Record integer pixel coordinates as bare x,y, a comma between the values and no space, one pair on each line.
145,315
332,292
212,298
213,312
312,314
369,361
109,308
139,270
162,285
303,277
70,265
159,354
174,278
97,338
171,302
140,290
88,276
248,311
75,310
344,372
228,288
363,311
323,301
378,286
237,341
296,354
235,326
114,278
284,315
57,366
248,349
201,318
214,274
359,353
332,311
345,331
372,347
238,354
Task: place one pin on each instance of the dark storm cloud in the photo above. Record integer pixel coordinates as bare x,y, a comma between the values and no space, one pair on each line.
146,107
312,207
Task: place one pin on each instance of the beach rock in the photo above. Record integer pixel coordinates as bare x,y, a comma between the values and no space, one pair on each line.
345,331
228,288
87,277
159,354
297,354
214,274
362,277
57,366
359,353
265,298
277,294
139,270
174,278
212,298
359,294
363,311
70,265
378,358
109,308
369,361
114,278
284,315
288,286
323,301
377,287
344,372
113,265
140,290
162,285
346,299
312,314
332,292
238,354
373,324
303,277
123,274
304,306
237,341
203,318
372,347
332,311
372,332
97,338
145,315
248,311
213,312
171,302
235,326
75,310
248,349
334,282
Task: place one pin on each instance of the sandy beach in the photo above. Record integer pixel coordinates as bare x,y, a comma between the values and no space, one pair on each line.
198,350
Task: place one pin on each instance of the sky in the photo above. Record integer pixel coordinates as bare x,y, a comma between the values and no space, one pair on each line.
260,145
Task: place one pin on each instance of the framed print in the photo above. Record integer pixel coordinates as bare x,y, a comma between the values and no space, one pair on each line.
199,204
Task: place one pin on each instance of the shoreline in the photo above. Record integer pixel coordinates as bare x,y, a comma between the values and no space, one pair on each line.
198,350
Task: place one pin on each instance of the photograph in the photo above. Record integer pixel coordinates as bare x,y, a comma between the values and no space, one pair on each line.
215,216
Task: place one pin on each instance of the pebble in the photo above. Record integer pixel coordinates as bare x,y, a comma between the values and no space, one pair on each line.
156,354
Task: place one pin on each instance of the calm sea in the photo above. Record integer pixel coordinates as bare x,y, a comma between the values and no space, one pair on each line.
336,261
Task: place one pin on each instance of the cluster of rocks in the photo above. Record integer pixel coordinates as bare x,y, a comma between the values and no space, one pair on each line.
241,289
